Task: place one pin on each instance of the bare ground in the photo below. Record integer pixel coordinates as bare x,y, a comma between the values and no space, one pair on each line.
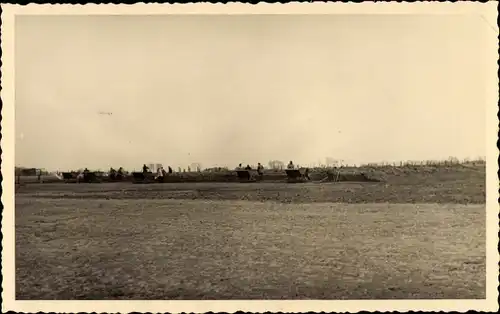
252,241
442,192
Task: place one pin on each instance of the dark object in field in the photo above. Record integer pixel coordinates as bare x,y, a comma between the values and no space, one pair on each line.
69,176
116,177
91,177
143,177
31,172
247,175
297,175
88,177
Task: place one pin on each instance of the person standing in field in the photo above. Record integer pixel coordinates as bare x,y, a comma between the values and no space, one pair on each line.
79,177
145,169
306,174
159,172
260,170
112,173
290,165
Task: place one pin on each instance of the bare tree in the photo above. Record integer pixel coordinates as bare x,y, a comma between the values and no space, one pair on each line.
276,164
197,166
331,162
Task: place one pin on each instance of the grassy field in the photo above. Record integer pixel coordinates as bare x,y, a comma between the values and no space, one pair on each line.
416,235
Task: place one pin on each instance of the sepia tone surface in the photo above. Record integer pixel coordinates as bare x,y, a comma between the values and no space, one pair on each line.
418,235
271,240
225,89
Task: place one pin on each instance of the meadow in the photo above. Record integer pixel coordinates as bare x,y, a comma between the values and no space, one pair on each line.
419,233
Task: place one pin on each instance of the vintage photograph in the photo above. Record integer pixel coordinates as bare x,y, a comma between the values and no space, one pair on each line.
251,156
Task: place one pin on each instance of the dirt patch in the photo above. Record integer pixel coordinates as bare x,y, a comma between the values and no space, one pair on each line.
169,249
424,190
342,176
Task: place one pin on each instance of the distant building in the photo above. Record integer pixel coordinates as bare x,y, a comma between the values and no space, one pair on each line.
154,167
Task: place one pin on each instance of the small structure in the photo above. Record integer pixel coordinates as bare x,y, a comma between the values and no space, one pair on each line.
297,175
92,177
143,177
85,176
154,167
28,172
88,176
69,176
247,175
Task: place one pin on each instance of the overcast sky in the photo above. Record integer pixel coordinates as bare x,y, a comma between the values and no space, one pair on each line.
101,91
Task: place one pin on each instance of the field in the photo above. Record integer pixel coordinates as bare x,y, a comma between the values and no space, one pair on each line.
419,234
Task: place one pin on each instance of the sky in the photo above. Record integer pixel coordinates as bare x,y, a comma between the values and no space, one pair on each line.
101,91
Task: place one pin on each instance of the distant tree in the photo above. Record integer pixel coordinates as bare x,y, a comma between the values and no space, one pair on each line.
453,160
332,162
276,164
196,166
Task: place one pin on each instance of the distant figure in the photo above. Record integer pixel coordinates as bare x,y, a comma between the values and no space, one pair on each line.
80,177
306,174
86,175
120,174
248,167
260,169
159,172
170,169
112,173
189,169
240,167
145,169
290,165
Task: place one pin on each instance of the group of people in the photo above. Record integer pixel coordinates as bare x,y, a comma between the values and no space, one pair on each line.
292,166
161,172
113,173
260,168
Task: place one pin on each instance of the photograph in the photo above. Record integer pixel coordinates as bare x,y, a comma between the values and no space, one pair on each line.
191,155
